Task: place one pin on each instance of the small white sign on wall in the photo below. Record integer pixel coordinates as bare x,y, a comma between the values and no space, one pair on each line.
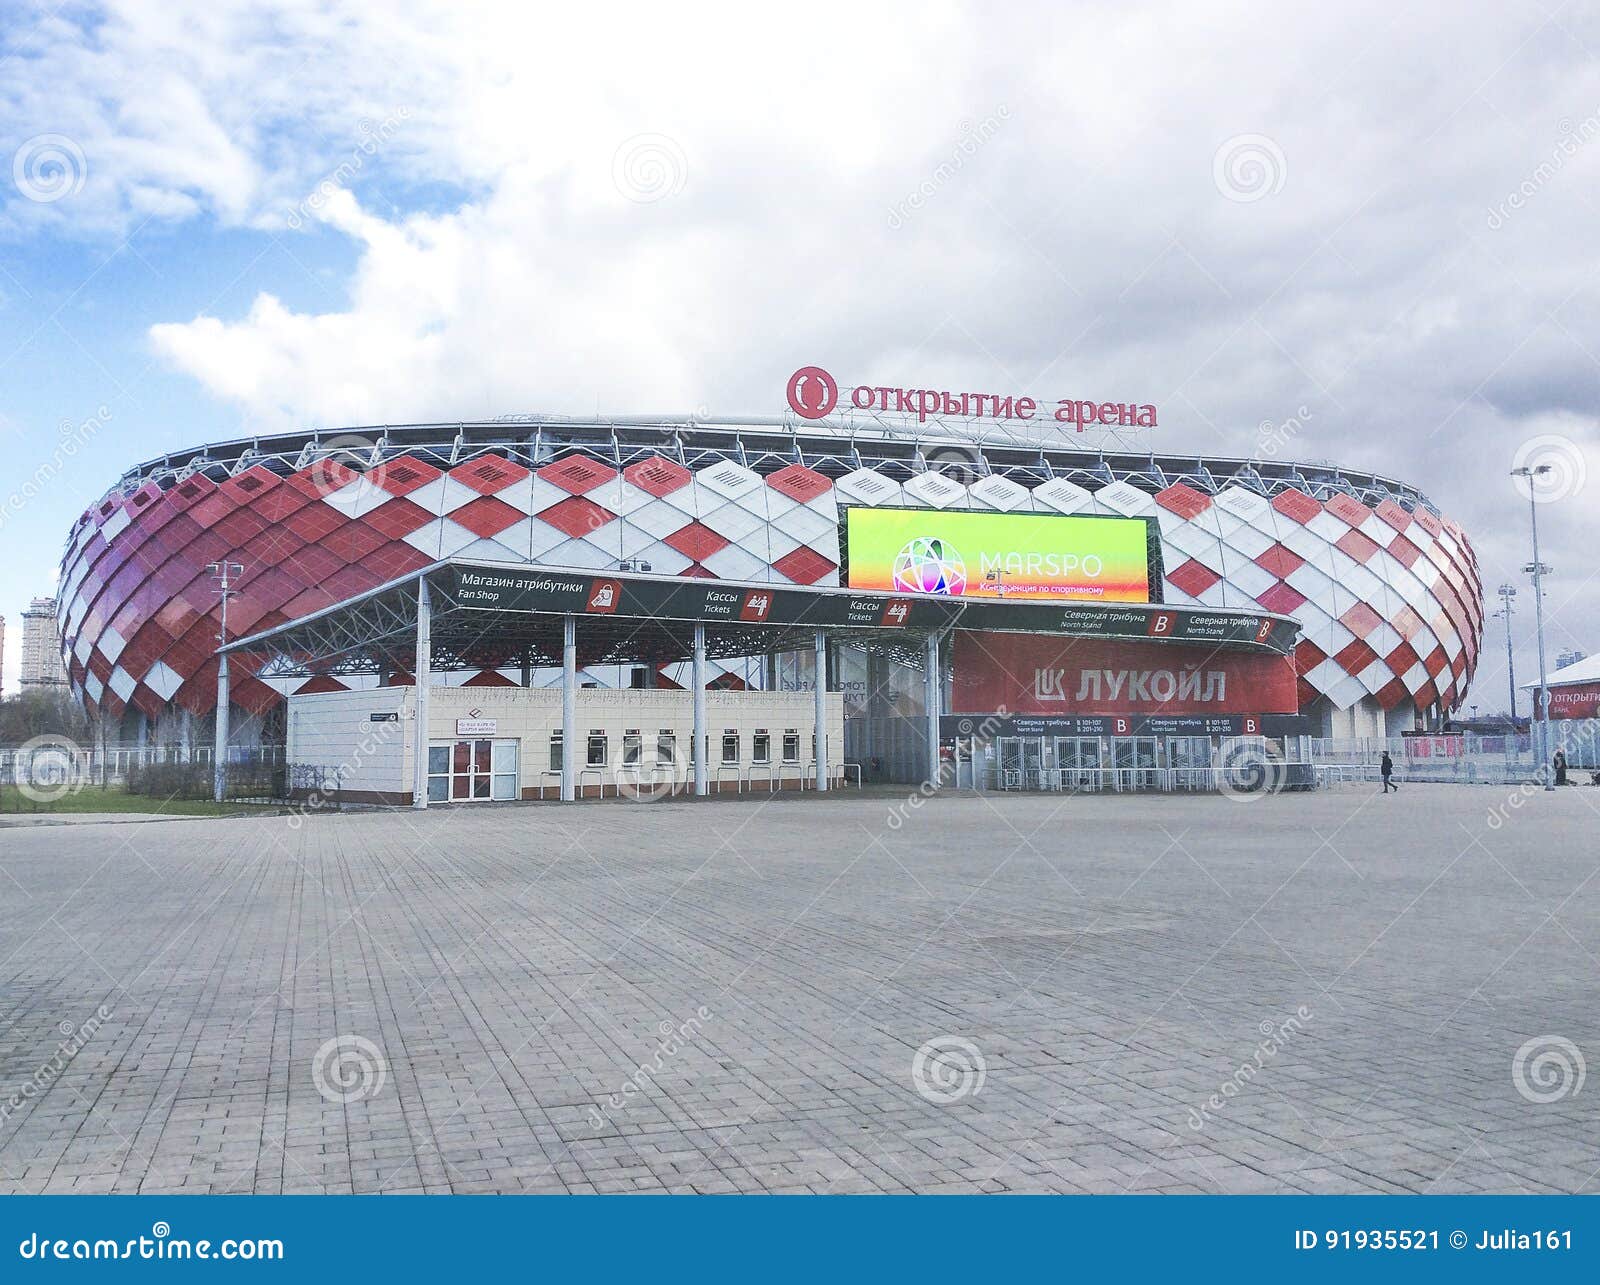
477,726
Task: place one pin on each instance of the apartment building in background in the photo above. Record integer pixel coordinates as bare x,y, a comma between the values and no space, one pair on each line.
41,647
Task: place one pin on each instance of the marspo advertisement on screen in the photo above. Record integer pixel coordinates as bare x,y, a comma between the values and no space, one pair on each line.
998,555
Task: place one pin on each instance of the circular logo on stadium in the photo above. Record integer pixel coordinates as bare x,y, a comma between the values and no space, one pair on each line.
930,565
813,392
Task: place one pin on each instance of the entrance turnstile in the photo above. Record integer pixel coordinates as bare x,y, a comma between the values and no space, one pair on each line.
1077,762
1137,760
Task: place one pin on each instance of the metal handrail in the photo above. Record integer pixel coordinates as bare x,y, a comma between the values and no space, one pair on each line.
719,777
599,774
857,767
766,767
782,770
809,780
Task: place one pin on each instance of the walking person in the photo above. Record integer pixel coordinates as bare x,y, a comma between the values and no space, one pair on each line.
1386,770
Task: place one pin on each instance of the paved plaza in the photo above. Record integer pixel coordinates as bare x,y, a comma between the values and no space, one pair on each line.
1331,993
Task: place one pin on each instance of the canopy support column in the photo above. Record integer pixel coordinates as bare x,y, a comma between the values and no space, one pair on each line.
569,708
701,785
219,760
422,673
930,701
820,693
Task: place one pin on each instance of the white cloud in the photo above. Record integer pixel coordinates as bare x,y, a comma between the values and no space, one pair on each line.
1083,248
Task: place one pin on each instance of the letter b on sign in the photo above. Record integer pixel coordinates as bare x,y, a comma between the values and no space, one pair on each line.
813,392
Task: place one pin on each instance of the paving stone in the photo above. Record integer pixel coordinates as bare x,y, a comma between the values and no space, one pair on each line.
742,996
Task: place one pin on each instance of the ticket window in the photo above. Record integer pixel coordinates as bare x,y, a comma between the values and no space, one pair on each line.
730,748
791,745
761,747
598,750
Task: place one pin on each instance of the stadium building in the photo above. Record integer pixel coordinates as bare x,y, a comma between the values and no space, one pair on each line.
1068,592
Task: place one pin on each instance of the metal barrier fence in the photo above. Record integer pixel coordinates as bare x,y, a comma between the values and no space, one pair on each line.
1269,776
114,764
1467,758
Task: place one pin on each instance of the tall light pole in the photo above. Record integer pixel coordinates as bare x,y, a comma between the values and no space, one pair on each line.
1507,593
223,573
1538,571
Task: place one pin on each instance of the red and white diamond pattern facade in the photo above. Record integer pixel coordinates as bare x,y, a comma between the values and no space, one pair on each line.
1390,600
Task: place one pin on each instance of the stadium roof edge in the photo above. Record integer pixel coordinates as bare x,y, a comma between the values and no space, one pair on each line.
845,433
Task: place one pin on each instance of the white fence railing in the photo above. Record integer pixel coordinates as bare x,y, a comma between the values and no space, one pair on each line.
91,764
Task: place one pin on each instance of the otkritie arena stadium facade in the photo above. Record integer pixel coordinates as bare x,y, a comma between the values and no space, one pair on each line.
1385,588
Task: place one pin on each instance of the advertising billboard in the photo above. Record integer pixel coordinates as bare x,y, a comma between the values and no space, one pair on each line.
1033,674
998,555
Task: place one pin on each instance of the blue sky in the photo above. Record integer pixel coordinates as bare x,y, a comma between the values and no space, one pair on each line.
223,218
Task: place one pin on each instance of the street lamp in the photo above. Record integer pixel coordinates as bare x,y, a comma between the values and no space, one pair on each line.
223,573
1507,593
1538,570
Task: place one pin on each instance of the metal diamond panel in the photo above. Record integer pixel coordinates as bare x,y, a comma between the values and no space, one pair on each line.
1389,593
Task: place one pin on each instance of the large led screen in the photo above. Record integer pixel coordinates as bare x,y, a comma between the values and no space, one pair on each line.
998,555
